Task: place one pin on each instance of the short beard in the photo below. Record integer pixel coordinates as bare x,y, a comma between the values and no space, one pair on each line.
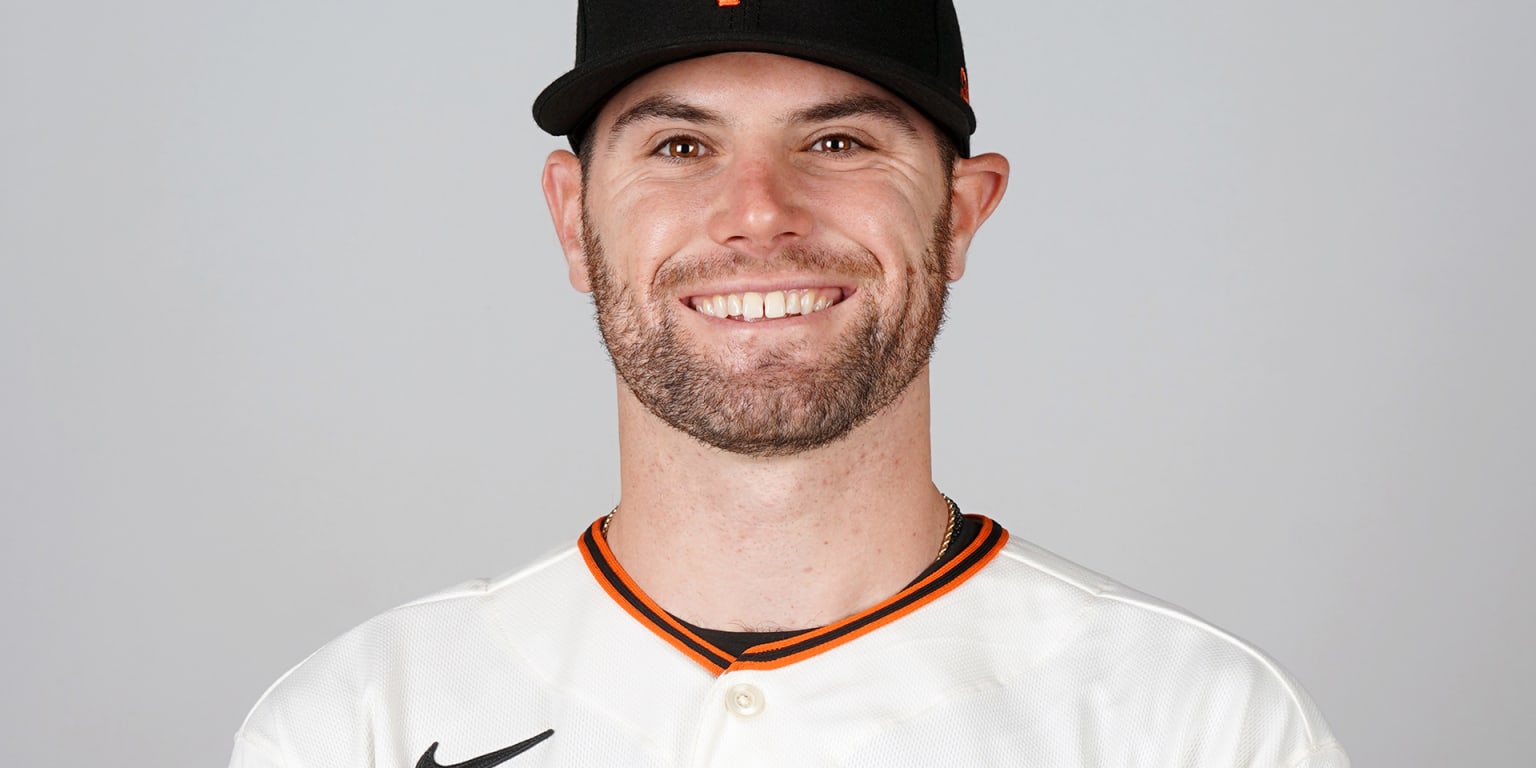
775,406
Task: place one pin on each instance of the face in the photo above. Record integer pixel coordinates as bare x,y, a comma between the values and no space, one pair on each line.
768,245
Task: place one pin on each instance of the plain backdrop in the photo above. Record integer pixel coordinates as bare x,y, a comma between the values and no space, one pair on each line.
285,340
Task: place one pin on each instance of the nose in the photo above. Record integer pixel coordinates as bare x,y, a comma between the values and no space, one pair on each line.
760,207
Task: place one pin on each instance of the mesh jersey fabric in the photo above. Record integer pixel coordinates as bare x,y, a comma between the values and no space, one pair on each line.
1017,658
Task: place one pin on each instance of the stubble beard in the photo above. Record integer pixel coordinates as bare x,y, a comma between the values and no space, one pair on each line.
770,402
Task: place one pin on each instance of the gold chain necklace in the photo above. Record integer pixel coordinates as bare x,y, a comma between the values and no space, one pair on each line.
949,530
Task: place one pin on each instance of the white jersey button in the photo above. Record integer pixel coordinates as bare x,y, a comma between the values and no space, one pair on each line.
744,700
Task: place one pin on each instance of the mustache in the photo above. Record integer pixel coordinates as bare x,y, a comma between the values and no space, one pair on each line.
854,263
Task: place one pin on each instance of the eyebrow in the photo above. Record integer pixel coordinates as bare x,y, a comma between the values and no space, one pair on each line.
666,107
661,107
858,105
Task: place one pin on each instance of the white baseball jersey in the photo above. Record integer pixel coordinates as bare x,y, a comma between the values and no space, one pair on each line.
1007,655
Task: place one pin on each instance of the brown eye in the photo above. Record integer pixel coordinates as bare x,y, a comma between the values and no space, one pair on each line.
681,148
834,144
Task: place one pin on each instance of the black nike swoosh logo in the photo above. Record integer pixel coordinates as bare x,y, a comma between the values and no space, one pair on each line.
429,758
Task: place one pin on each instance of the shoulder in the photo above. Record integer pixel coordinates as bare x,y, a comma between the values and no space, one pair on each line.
1143,662
332,701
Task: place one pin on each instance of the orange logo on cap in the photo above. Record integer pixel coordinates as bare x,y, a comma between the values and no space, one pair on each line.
729,3
965,86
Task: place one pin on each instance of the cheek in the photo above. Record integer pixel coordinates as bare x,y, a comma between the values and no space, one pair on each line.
892,223
643,228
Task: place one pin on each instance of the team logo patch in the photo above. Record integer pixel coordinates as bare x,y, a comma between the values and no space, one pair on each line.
728,3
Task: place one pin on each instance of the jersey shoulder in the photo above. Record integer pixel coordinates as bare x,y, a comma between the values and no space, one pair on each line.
423,646
1151,664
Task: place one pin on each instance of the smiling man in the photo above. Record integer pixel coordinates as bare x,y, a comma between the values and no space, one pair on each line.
767,202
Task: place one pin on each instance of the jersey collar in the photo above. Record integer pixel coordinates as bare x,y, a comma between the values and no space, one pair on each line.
619,586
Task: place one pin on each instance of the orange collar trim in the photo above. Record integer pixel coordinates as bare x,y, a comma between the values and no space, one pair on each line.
619,586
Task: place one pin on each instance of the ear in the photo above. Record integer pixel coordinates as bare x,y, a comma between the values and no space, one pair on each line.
562,191
979,183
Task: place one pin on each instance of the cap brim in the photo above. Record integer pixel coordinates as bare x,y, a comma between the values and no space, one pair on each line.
572,101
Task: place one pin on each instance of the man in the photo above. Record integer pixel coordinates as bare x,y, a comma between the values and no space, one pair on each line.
768,201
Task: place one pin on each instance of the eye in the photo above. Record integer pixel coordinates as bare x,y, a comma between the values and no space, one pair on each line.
681,147
834,144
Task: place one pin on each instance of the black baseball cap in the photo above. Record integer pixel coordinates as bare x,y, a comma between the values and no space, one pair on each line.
909,47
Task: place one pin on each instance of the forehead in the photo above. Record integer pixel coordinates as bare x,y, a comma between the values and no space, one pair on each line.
747,84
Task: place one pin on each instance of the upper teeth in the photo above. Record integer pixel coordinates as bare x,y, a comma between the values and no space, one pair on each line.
773,304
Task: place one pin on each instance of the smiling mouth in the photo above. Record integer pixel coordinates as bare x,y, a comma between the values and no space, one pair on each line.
770,305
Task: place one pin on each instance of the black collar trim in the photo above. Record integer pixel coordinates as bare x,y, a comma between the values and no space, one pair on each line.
611,577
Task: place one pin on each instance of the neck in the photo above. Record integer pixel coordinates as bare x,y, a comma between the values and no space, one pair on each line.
745,543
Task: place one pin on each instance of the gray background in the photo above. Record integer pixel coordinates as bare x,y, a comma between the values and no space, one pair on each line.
285,339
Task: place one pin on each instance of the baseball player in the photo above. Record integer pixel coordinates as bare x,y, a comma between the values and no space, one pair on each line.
767,201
